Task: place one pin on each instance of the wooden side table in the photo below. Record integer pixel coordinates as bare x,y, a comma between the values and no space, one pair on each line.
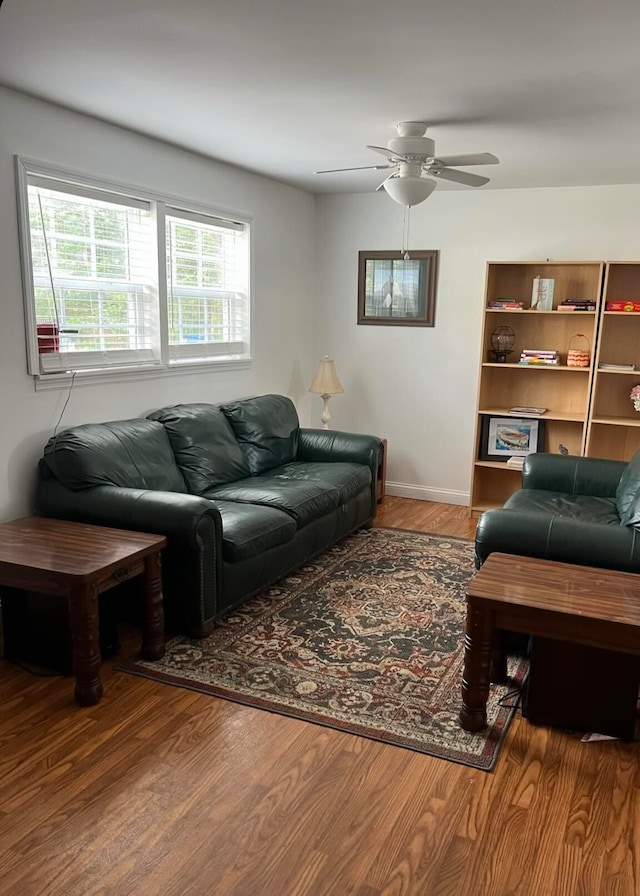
578,604
79,562
382,473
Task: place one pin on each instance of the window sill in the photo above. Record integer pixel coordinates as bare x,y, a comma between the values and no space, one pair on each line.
52,381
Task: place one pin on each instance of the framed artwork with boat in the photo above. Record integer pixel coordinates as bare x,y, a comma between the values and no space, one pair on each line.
505,437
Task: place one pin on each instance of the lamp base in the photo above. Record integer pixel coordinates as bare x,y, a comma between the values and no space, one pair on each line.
325,416
500,356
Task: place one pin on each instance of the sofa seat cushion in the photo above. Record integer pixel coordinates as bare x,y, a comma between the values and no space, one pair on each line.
129,453
348,478
204,445
251,529
266,428
304,501
582,508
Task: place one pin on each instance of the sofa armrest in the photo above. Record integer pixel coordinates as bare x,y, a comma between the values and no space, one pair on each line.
192,560
557,538
327,445
572,475
177,515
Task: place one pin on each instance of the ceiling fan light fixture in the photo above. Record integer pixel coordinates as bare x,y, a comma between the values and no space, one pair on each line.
409,190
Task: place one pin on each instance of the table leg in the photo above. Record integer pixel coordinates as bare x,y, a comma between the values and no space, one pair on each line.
477,662
153,633
85,632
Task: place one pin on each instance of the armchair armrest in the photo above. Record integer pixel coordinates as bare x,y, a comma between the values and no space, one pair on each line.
557,538
572,475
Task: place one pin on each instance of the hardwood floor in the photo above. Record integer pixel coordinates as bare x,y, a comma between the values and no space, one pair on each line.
160,791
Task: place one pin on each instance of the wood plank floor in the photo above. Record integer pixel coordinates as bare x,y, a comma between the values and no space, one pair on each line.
159,791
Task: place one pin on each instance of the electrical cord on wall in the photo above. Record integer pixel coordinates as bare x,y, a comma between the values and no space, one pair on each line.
64,407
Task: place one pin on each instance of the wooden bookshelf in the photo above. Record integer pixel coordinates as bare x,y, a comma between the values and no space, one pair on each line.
614,425
562,389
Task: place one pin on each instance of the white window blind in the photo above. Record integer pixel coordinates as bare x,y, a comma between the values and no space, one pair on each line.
94,283
207,286
117,280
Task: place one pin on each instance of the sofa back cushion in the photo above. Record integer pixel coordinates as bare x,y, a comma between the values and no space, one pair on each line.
129,453
628,493
266,428
204,445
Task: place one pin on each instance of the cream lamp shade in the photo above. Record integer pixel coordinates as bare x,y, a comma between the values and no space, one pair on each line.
326,384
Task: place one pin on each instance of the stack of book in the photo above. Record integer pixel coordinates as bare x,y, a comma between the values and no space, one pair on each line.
515,461
617,366
525,411
505,305
539,356
577,305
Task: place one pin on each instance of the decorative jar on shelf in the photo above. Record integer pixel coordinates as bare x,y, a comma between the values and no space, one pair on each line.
502,342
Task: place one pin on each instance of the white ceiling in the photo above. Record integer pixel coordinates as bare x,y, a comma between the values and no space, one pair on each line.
285,87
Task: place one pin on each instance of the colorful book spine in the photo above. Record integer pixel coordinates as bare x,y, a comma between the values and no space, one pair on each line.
576,308
539,356
623,306
539,361
499,305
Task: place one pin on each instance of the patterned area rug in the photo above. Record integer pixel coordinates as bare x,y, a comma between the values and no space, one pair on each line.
367,638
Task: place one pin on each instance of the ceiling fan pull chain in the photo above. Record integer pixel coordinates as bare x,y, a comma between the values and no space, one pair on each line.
405,232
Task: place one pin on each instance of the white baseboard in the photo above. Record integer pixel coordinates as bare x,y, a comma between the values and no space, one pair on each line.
422,493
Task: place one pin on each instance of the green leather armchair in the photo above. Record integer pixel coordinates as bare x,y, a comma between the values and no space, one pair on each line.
571,509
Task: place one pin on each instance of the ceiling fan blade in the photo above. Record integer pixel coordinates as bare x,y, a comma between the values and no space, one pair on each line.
388,153
472,158
459,177
359,168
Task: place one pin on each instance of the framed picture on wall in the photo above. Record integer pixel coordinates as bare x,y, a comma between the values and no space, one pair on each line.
397,291
505,437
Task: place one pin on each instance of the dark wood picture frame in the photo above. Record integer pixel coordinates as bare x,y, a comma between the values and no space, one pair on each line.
398,292
530,429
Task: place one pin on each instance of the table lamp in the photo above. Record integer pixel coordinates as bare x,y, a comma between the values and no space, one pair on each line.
326,384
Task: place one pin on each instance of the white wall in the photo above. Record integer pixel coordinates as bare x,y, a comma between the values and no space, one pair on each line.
416,385
283,245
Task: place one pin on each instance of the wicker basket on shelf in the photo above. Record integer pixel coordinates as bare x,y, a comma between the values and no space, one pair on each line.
579,354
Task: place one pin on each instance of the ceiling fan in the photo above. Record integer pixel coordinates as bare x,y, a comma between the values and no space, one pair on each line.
412,157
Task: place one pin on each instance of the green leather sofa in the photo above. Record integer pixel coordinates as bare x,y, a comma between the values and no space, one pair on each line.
243,494
572,509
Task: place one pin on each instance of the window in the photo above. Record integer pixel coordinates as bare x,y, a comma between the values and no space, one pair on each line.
115,280
206,285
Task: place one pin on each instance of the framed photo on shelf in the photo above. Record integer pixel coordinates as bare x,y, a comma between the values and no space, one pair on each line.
505,437
397,291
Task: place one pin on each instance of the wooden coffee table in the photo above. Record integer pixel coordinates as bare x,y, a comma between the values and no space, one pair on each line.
579,604
79,562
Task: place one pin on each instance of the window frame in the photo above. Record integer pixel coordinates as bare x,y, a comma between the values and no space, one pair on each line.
160,206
